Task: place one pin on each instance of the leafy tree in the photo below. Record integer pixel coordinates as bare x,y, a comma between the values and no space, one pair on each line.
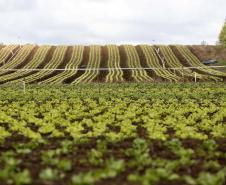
222,36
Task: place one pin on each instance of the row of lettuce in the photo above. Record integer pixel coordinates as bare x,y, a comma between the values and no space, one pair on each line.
137,161
131,133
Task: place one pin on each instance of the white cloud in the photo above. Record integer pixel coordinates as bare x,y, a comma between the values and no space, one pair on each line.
16,5
111,21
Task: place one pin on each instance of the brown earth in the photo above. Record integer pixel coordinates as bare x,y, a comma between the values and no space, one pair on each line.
210,52
186,64
127,75
1,46
184,61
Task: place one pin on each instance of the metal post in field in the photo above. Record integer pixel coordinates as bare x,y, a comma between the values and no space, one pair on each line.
195,77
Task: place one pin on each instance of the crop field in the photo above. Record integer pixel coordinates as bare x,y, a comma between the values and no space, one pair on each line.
111,134
35,64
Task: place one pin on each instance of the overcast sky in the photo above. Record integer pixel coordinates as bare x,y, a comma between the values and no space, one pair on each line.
111,21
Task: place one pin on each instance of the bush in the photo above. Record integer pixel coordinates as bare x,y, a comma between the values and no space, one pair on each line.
222,36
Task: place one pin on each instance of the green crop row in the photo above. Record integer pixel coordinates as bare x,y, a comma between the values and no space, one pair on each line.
20,57
38,58
90,162
93,63
114,62
139,75
5,52
173,62
113,134
153,62
55,61
74,62
187,119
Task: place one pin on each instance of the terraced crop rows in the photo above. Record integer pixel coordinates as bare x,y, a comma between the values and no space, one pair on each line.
194,61
38,58
93,63
6,52
173,62
139,75
72,57
114,62
22,54
74,63
53,63
154,62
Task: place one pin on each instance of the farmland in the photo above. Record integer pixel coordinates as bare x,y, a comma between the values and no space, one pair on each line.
110,115
110,63
132,134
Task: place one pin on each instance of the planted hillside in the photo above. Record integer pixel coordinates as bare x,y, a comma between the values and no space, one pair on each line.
103,64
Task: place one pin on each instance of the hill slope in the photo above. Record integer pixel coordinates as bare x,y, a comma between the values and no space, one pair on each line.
210,52
110,63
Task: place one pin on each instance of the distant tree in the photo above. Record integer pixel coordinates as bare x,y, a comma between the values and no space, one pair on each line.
222,36
204,43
